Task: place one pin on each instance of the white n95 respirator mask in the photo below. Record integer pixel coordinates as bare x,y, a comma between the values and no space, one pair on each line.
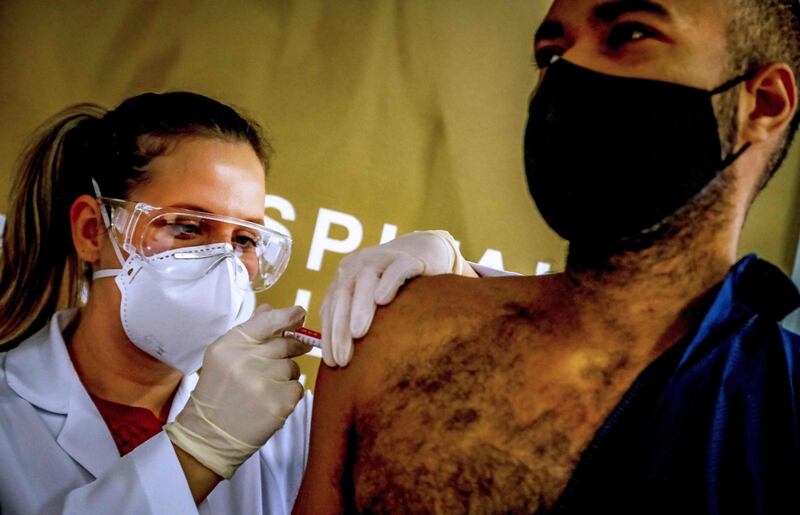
176,319
189,276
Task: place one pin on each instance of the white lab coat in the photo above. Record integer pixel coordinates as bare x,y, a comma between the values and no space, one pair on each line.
58,456
485,271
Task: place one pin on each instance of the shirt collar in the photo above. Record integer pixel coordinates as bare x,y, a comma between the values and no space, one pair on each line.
762,288
752,288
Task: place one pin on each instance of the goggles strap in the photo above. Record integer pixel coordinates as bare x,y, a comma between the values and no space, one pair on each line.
110,272
107,222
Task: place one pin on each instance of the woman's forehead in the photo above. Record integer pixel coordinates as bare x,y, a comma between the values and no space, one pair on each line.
212,175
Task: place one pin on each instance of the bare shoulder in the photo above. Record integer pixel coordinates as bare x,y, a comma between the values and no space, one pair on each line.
428,314
423,362
452,413
430,317
448,304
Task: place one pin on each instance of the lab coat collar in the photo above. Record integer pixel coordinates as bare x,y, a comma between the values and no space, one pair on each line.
40,371
182,395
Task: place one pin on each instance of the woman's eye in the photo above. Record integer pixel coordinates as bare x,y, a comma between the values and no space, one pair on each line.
628,32
547,56
245,241
183,230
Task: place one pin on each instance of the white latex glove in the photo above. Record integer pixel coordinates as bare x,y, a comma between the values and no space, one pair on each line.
248,387
372,277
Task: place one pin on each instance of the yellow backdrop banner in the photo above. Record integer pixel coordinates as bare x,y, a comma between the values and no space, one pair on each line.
387,115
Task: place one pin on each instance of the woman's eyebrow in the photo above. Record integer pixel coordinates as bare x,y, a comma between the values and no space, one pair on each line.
201,209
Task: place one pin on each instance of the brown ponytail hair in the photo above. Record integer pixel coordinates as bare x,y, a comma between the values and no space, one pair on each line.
40,271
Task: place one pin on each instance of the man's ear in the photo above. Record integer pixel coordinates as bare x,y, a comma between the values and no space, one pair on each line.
770,105
87,228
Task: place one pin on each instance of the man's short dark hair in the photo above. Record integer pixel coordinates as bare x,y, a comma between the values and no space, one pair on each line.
761,32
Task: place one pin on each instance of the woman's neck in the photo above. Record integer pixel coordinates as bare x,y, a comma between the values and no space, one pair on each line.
110,366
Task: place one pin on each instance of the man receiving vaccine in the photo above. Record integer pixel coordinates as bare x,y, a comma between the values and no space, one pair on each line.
653,375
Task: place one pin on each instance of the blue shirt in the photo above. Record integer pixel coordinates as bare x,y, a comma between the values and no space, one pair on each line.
711,426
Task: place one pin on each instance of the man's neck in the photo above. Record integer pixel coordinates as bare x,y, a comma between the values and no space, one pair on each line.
650,298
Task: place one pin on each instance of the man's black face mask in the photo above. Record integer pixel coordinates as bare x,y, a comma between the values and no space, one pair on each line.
609,157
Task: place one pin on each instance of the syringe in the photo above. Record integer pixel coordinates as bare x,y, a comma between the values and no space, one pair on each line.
307,336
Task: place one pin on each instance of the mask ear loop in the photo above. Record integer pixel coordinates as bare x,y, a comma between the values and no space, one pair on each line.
733,157
107,222
721,89
725,86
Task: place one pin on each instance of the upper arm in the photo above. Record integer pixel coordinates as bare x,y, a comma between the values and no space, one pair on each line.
337,394
321,490
399,330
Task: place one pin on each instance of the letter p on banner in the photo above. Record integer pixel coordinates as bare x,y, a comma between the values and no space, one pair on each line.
322,241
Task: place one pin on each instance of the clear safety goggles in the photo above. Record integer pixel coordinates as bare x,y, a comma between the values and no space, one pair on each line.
150,231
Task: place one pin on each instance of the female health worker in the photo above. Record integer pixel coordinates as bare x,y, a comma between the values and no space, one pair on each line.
146,223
